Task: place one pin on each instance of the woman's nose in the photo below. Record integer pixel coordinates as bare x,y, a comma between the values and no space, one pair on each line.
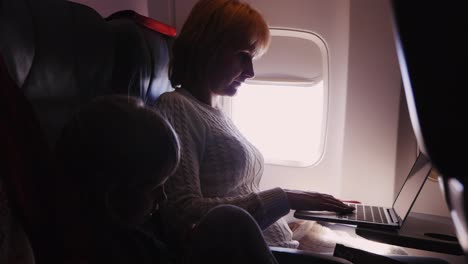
248,69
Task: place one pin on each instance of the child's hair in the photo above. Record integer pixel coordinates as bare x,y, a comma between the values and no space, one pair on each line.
115,142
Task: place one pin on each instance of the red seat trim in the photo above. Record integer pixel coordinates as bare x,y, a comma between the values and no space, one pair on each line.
156,25
146,22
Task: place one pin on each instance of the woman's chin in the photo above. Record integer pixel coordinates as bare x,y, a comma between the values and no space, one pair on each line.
232,89
231,92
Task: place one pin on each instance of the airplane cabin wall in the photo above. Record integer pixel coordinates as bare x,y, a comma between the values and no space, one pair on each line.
372,106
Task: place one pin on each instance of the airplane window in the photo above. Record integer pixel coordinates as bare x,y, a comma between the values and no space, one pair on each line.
283,110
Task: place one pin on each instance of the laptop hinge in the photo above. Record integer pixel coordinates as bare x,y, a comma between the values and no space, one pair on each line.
392,215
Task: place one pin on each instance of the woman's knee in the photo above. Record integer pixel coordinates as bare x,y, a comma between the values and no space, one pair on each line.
228,211
228,230
228,220
229,215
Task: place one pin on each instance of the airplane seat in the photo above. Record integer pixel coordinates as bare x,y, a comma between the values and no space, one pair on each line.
158,46
57,55
23,209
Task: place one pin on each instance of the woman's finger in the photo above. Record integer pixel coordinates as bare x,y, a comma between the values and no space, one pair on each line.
337,204
336,207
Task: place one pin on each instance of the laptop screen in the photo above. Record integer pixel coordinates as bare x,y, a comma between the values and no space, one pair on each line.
412,186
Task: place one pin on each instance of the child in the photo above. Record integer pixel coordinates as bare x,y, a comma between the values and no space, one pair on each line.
116,155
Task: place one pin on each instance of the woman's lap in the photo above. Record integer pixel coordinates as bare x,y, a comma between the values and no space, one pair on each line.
228,234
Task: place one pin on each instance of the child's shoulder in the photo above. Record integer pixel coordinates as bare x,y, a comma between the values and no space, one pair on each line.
176,101
172,96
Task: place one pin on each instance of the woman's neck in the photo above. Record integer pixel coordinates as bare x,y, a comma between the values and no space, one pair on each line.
203,95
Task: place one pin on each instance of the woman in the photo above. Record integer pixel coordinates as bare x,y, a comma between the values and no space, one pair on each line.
212,56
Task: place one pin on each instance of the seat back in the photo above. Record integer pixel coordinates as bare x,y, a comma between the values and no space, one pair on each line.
25,175
142,69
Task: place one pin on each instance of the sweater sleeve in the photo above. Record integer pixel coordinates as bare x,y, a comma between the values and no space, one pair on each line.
186,202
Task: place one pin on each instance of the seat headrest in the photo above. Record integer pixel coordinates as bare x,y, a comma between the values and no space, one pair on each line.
154,41
147,22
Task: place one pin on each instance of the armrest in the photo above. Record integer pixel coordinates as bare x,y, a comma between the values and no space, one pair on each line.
296,256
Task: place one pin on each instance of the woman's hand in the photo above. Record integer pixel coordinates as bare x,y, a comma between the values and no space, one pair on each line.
313,201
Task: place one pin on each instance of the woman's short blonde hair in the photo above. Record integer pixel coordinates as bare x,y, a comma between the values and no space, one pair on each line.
212,26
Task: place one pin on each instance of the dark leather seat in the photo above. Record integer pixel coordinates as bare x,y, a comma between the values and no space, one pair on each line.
57,56
16,165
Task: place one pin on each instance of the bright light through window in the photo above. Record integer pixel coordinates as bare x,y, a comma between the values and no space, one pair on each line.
283,110
286,123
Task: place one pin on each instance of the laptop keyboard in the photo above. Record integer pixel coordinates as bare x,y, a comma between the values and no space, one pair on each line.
368,213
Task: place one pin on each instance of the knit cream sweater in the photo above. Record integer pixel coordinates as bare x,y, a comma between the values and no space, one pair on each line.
218,166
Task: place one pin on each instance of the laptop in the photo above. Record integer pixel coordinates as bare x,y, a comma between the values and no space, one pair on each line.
377,216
